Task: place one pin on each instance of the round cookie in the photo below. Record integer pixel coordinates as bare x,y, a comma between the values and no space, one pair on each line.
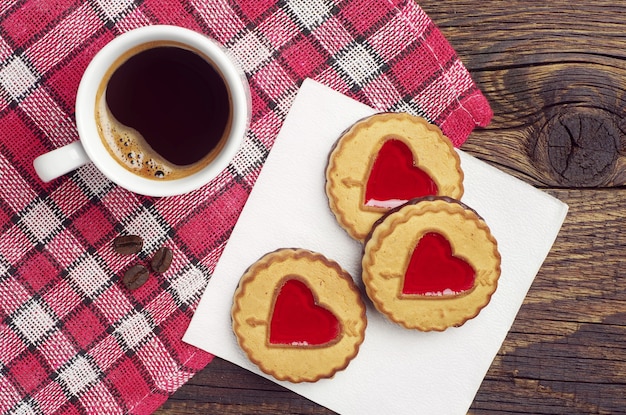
431,264
298,315
385,160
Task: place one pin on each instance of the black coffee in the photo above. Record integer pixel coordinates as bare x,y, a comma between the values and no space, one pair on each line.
175,100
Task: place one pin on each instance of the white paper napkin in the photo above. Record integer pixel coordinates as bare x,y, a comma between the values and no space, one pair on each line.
397,371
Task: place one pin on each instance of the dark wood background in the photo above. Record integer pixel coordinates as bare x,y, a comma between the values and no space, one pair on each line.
555,75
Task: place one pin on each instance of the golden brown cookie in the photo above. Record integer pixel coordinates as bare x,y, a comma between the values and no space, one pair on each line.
431,264
298,315
385,160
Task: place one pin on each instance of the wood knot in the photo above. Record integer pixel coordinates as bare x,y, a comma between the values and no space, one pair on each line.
579,148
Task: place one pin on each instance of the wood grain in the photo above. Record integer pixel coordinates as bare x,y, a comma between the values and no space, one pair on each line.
555,75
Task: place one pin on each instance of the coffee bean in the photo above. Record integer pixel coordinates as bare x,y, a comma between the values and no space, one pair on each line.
128,244
161,260
135,277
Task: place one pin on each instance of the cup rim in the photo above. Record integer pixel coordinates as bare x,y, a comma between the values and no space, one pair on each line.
86,98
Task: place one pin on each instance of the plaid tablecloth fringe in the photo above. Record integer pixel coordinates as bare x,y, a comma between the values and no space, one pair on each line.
72,339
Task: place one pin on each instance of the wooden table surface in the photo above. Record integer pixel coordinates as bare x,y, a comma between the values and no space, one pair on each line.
555,75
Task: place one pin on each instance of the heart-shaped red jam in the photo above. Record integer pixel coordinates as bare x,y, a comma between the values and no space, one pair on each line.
394,178
433,270
297,320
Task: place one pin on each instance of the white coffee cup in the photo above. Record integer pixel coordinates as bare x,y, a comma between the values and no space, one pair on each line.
91,148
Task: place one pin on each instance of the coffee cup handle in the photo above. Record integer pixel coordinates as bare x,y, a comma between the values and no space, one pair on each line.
60,161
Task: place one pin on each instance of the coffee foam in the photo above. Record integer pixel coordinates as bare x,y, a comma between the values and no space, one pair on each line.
130,149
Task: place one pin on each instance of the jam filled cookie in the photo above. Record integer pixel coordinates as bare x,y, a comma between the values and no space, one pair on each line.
298,315
385,160
431,264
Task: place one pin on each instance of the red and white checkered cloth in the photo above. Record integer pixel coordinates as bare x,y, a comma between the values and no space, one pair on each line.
72,339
